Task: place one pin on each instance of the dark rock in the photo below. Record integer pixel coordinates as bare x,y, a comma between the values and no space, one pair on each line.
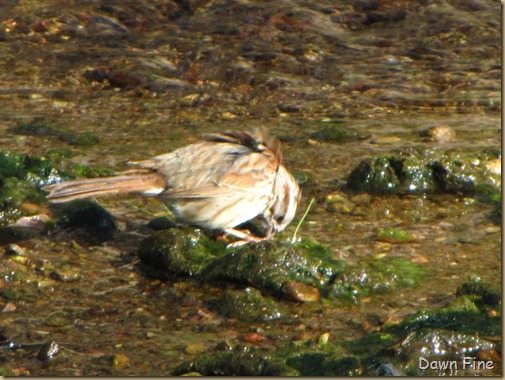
234,363
84,213
249,305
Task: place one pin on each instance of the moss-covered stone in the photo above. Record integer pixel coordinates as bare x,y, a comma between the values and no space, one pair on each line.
21,178
300,272
483,293
187,251
375,274
422,170
462,321
441,346
235,363
308,363
395,235
333,132
85,213
376,176
249,305
270,266
496,214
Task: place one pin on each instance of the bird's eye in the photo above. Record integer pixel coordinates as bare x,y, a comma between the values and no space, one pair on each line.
279,219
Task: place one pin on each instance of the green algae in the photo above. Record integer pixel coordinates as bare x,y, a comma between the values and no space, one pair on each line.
249,305
235,363
171,251
395,235
426,170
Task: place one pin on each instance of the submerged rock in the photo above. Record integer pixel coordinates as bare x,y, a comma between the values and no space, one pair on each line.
85,213
421,170
333,132
270,265
235,363
249,305
301,272
21,178
179,251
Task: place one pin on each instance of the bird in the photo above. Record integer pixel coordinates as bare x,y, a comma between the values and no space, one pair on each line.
219,183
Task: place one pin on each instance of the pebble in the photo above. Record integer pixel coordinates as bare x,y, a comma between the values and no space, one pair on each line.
301,292
120,361
195,348
441,133
48,351
253,337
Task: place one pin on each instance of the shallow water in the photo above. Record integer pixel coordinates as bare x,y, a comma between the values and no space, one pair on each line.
358,72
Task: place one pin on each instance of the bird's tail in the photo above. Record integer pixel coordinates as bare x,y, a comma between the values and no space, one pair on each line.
149,183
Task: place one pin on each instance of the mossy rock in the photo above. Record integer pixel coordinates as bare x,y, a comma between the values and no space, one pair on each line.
234,363
179,251
375,275
249,305
269,266
426,170
21,179
333,132
85,213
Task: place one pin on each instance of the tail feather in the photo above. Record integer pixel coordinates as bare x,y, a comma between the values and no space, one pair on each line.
151,183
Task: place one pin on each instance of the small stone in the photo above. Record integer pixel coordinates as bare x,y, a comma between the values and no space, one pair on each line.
120,361
9,306
48,351
253,338
394,235
323,338
195,348
386,140
65,276
362,199
440,133
301,292
15,250
494,166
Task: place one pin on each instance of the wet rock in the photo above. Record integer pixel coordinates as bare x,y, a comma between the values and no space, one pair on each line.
24,228
161,223
338,202
268,266
234,363
375,275
337,133
423,170
440,133
249,305
429,344
488,294
48,351
65,275
187,251
301,292
87,214
21,177
102,27
325,364
394,235
9,306
253,337
120,361
376,176
195,348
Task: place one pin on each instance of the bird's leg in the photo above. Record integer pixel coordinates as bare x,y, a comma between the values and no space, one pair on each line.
245,236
